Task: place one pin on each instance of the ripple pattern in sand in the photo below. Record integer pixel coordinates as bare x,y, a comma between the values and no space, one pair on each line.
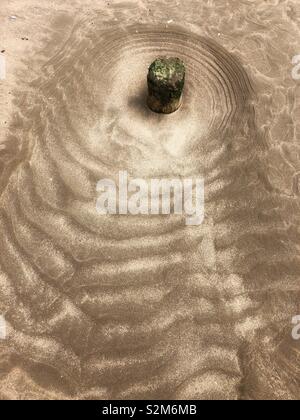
135,307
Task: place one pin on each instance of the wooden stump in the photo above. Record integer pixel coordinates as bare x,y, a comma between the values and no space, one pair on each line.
166,79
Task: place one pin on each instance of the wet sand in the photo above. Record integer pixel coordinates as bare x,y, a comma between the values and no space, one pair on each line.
135,307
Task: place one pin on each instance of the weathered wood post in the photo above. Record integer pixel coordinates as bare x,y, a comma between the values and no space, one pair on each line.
166,78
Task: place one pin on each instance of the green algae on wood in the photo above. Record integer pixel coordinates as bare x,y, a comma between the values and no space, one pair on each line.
166,79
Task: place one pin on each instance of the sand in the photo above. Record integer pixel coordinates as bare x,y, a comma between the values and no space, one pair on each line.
135,307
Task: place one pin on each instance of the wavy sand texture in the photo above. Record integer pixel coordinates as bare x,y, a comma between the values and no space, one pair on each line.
145,307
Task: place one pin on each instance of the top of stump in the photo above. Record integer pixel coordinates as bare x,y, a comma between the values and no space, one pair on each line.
167,71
